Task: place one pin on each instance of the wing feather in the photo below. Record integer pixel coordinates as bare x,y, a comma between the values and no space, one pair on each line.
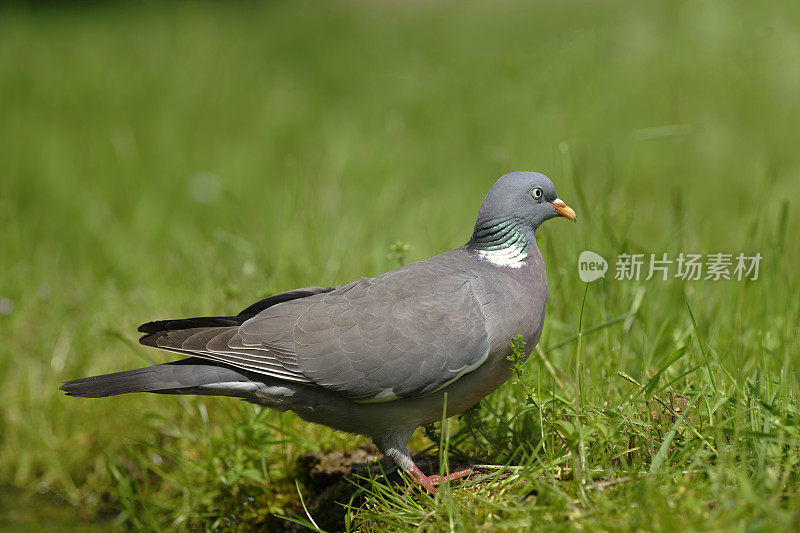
404,334
407,333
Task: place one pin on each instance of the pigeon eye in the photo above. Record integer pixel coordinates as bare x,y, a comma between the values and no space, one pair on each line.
537,193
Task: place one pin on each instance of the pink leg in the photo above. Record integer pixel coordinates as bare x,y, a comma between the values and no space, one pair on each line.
417,475
393,445
428,482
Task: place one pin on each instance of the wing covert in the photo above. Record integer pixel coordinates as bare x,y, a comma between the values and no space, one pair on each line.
404,334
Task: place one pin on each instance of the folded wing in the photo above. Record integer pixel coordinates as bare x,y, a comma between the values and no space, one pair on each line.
404,334
407,333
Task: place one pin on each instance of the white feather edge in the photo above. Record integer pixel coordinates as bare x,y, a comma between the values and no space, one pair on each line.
511,256
387,395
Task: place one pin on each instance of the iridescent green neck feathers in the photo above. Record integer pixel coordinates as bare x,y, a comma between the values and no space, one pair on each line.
500,241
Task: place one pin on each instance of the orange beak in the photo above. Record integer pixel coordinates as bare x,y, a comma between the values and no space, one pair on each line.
563,209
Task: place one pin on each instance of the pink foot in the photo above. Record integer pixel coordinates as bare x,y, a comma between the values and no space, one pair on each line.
453,475
428,482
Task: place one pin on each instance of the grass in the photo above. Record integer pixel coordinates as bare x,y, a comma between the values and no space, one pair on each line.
185,159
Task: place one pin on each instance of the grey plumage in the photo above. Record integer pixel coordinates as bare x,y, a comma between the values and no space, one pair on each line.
376,356
180,377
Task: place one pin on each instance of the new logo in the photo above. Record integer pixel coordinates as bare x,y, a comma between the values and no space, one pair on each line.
591,266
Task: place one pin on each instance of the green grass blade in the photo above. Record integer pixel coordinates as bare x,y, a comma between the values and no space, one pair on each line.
661,456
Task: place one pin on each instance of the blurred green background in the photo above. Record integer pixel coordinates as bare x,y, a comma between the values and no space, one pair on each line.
187,158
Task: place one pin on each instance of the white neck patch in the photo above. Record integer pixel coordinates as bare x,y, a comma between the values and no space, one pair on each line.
510,256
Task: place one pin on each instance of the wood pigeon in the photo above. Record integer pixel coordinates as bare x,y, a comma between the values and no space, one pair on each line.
375,357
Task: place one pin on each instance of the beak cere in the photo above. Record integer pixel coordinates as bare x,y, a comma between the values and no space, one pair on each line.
563,209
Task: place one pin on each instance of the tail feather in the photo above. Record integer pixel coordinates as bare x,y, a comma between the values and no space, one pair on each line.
179,377
192,375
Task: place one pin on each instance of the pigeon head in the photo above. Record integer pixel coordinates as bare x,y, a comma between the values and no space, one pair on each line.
516,205
528,197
